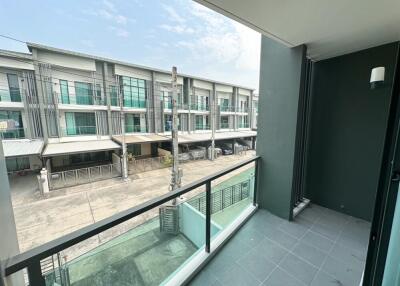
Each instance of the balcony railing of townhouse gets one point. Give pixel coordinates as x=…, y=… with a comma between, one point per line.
x=135, y=103
x=243, y=125
x=31, y=259
x=7, y=96
x=202, y=127
x=81, y=100
x=135, y=128
x=225, y=108
x=12, y=133
x=242, y=109
x=200, y=107
x=78, y=130
x=224, y=125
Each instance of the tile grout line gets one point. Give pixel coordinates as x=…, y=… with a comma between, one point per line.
x=289, y=252
x=328, y=254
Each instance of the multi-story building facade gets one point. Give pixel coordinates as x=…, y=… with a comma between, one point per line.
x=66, y=109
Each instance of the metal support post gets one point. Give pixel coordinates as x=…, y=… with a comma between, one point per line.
x=208, y=215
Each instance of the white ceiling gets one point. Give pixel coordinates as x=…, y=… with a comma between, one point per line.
x=328, y=27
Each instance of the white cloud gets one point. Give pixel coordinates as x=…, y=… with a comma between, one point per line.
x=109, y=12
x=173, y=15
x=119, y=32
x=180, y=29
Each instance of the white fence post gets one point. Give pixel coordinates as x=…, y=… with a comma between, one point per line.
x=44, y=181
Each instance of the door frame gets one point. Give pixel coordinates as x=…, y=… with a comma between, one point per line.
x=388, y=185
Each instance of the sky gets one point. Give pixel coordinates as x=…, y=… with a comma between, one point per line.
x=154, y=33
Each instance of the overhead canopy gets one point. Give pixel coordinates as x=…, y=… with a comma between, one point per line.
x=57, y=149
x=19, y=148
x=328, y=28
x=137, y=139
x=199, y=137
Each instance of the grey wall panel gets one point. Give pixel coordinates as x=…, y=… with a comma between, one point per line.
x=280, y=78
x=348, y=125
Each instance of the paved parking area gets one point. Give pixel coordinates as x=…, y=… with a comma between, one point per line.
x=40, y=220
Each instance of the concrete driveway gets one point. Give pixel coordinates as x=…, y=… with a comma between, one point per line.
x=40, y=220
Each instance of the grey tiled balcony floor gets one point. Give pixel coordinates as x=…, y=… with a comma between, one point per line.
x=320, y=247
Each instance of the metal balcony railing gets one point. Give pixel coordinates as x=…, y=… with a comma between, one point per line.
x=31, y=259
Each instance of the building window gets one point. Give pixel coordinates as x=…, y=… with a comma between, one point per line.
x=166, y=97
x=64, y=91
x=80, y=123
x=224, y=122
x=134, y=92
x=224, y=104
x=202, y=122
x=13, y=85
x=114, y=95
x=84, y=93
x=132, y=123
x=17, y=164
x=11, y=126
x=167, y=122
x=98, y=99
x=135, y=149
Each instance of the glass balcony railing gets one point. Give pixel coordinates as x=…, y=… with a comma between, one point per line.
x=135, y=103
x=243, y=125
x=7, y=96
x=224, y=125
x=79, y=130
x=242, y=109
x=200, y=107
x=202, y=127
x=147, y=244
x=226, y=108
x=12, y=133
x=135, y=128
x=81, y=100
x=114, y=101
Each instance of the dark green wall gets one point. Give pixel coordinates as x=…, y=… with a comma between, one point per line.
x=280, y=76
x=348, y=124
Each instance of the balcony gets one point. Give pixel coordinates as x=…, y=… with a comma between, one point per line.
x=137, y=128
x=224, y=125
x=226, y=108
x=12, y=133
x=80, y=100
x=135, y=103
x=202, y=127
x=200, y=107
x=242, y=109
x=320, y=247
x=7, y=96
x=243, y=125
x=78, y=130
x=168, y=240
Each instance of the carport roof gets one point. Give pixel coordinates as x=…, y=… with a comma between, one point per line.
x=22, y=147
x=199, y=137
x=57, y=149
x=131, y=139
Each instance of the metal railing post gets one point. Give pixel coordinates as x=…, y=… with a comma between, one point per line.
x=35, y=274
x=255, y=183
x=208, y=215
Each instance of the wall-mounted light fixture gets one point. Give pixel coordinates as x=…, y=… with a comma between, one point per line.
x=377, y=77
